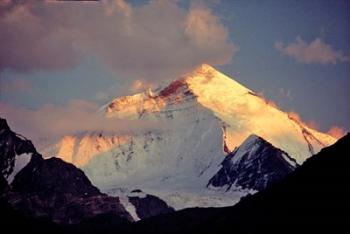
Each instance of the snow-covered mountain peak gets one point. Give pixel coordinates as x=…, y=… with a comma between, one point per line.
x=208, y=115
x=248, y=146
x=208, y=92
x=254, y=142
x=250, y=141
x=213, y=81
x=243, y=112
x=202, y=84
x=255, y=164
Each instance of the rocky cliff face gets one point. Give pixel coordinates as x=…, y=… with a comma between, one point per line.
x=15, y=151
x=61, y=192
x=48, y=188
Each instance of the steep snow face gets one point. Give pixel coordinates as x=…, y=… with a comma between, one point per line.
x=244, y=113
x=80, y=149
x=185, y=155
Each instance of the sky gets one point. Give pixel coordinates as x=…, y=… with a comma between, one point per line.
x=60, y=60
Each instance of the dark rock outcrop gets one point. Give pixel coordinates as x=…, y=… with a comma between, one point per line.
x=50, y=188
x=51, y=177
x=61, y=192
x=12, y=145
x=148, y=205
x=3, y=184
x=255, y=164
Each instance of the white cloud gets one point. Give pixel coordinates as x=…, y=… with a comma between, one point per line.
x=54, y=121
x=316, y=51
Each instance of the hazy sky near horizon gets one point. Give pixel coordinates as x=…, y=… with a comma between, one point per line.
x=295, y=53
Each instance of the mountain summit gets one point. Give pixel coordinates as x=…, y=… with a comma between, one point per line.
x=207, y=115
x=241, y=111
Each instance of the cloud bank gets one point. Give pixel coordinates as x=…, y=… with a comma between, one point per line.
x=336, y=132
x=78, y=116
x=157, y=40
x=316, y=52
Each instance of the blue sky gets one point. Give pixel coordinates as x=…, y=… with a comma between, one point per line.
x=319, y=92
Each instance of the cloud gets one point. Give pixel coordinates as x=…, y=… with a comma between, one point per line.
x=125, y=89
x=336, y=132
x=29, y=43
x=317, y=52
x=140, y=86
x=285, y=93
x=154, y=41
x=310, y=124
x=17, y=85
x=54, y=121
x=313, y=124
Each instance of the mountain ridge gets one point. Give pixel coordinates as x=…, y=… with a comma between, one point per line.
x=255, y=164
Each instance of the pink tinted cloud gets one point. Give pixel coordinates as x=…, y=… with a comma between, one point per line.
x=29, y=43
x=53, y=121
x=155, y=40
x=316, y=51
x=336, y=132
x=295, y=116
